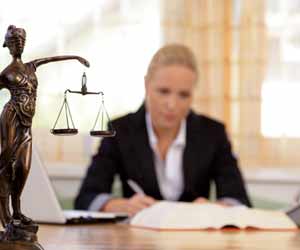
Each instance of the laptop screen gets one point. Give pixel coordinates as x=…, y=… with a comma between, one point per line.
x=38, y=200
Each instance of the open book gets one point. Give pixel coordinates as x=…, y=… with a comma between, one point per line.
x=167, y=215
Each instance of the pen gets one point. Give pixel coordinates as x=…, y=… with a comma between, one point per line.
x=135, y=187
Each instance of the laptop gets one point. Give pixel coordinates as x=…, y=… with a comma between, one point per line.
x=39, y=201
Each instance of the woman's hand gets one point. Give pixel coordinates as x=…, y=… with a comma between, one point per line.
x=201, y=200
x=221, y=202
x=130, y=206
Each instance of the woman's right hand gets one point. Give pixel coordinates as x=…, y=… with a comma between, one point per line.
x=130, y=206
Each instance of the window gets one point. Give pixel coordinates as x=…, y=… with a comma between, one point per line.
x=281, y=87
x=117, y=37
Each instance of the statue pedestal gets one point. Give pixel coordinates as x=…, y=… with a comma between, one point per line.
x=19, y=236
x=20, y=245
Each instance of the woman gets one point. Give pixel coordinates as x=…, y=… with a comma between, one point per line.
x=15, y=122
x=168, y=150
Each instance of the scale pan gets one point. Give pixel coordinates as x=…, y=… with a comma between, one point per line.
x=103, y=133
x=64, y=131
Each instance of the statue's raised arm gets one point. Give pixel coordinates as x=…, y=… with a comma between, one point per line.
x=41, y=61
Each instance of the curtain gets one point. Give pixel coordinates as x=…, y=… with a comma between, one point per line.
x=228, y=38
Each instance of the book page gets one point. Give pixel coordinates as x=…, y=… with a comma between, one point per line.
x=183, y=215
x=167, y=215
x=265, y=219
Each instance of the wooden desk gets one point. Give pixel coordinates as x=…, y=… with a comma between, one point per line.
x=122, y=237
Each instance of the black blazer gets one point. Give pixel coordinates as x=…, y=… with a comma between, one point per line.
x=207, y=157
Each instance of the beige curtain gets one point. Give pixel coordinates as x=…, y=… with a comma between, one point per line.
x=249, y=69
x=229, y=40
x=201, y=25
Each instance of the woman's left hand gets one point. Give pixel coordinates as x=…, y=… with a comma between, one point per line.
x=201, y=200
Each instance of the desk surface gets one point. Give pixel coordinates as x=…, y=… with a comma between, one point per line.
x=122, y=237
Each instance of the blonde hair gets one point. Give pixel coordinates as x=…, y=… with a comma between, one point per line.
x=169, y=55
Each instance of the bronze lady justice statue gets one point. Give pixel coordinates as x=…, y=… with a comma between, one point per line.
x=15, y=125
